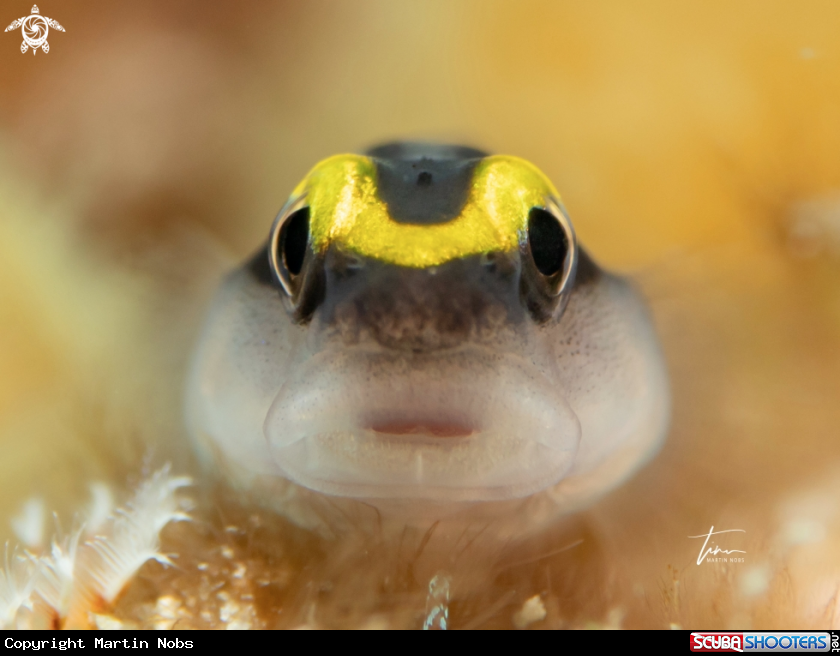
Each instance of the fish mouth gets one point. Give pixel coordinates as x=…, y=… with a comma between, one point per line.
x=429, y=428
x=474, y=425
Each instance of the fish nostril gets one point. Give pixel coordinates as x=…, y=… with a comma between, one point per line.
x=500, y=265
x=345, y=265
x=488, y=262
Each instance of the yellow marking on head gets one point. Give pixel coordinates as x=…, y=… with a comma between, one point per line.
x=345, y=209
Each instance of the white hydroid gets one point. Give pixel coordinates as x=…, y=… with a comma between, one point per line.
x=100, y=508
x=131, y=536
x=55, y=581
x=28, y=525
x=74, y=576
x=17, y=582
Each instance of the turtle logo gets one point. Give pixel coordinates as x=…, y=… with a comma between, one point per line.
x=35, y=29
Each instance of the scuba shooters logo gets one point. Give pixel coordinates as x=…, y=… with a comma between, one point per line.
x=34, y=29
x=793, y=641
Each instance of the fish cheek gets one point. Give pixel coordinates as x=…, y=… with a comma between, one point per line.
x=243, y=357
x=610, y=368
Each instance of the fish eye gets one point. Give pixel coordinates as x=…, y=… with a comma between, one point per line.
x=294, y=236
x=551, y=243
x=548, y=241
x=289, y=241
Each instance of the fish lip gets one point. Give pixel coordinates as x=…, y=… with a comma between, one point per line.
x=431, y=429
x=524, y=436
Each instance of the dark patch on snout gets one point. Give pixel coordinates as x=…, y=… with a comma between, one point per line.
x=420, y=309
x=424, y=184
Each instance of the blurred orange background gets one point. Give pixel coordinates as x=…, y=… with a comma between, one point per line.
x=695, y=144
